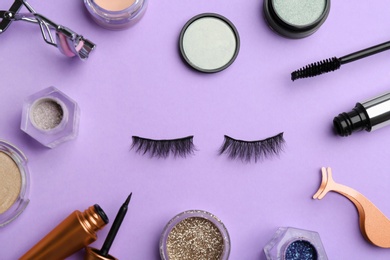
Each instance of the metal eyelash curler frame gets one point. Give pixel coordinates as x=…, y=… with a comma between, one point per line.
x=67, y=41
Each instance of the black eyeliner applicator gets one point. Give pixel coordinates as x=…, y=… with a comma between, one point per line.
x=328, y=65
x=102, y=254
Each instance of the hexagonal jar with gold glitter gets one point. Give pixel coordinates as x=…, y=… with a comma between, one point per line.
x=195, y=234
x=50, y=117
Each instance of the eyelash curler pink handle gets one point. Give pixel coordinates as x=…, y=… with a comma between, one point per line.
x=67, y=41
x=374, y=225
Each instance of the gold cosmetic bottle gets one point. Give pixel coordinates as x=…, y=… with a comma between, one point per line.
x=77, y=231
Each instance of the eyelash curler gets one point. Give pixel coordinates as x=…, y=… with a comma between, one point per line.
x=67, y=41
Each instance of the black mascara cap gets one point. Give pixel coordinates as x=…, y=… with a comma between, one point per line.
x=356, y=120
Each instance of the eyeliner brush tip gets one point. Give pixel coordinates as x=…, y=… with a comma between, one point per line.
x=128, y=199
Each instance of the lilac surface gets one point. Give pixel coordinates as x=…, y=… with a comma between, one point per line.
x=135, y=83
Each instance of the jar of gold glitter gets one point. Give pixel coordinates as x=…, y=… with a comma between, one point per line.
x=195, y=234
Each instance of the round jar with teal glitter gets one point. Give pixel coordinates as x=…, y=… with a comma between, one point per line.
x=296, y=18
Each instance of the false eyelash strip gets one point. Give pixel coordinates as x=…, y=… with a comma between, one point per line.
x=252, y=150
x=163, y=148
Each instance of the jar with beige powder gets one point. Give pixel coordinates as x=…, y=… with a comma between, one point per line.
x=14, y=184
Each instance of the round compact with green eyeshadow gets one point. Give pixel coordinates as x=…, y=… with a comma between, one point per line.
x=296, y=18
x=209, y=42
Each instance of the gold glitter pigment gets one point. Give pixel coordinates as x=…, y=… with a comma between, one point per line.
x=195, y=238
x=10, y=182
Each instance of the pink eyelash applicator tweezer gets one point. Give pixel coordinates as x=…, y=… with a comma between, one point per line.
x=374, y=225
x=67, y=41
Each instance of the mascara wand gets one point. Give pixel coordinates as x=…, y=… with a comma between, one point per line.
x=332, y=64
x=102, y=254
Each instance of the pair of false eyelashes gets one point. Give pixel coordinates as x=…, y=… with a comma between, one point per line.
x=247, y=151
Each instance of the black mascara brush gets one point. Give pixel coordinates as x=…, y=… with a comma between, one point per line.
x=334, y=63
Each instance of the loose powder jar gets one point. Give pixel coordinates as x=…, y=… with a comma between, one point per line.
x=209, y=42
x=195, y=234
x=50, y=117
x=295, y=244
x=296, y=18
x=116, y=14
x=14, y=182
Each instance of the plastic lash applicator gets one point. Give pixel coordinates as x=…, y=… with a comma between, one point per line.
x=374, y=225
x=67, y=41
x=332, y=64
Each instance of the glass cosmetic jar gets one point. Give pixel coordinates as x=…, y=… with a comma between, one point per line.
x=14, y=182
x=195, y=234
x=116, y=14
x=50, y=117
x=295, y=244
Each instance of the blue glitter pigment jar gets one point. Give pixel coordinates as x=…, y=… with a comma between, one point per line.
x=295, y=244
x=300, y=250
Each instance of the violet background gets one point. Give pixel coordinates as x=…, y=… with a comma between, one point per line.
x=135, y=83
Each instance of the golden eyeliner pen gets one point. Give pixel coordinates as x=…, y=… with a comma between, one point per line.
x=75, y=232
